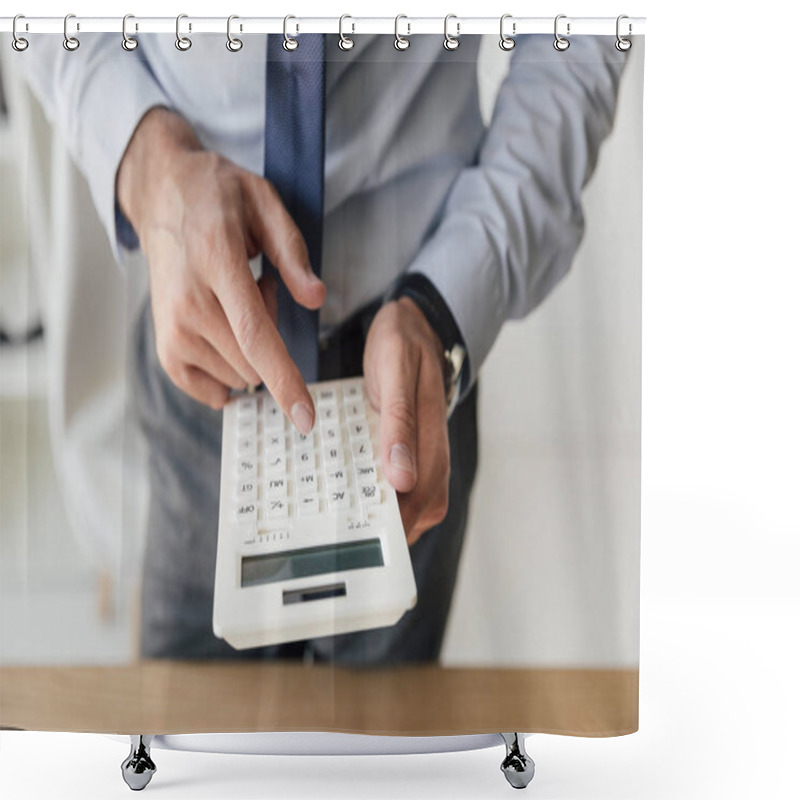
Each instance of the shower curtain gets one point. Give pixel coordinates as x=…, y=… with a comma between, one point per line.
x=461, y=226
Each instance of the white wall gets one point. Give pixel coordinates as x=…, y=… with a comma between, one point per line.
x=550, y=574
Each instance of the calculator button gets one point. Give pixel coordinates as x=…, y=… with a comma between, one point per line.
x=355, y=410
x=306, y=481
x=275, y=463
x=301, y=440
x=334, y=456
x=328, y=414
x=358, y=429
x=276, y=487
x=338, y=498
x=308, y=504
x=274, y=440
x=331, y=434
x=277, y=507
x=326, y=397
x=305, y=459
x=246, y=446
x=246, y=468
x=274, y=419
x=369, y=494
x=362, y=449
x=247, y=408
x=353, y=393
x=366, y=474
x=248, y=427
x=246, y=512
x=246, y=490
x=336, y=478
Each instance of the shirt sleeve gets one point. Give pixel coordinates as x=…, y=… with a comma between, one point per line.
x=95, y=96
x=513, y=222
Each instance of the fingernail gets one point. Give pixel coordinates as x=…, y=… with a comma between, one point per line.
x=400, y=457
x=302, y=417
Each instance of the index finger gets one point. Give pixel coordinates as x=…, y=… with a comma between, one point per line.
x=282, y=241
x=262, y=345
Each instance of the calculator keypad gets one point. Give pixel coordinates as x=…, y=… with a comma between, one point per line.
x=283, y=475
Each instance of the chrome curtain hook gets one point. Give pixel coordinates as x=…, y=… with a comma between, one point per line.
x=400, y=42
x=233, y=44
x=345, y=42
x=128, y=42
x=289, y=42
x=622, y=44
x=183, y=43
x=506, y=42
x=561, y=43
x=451, y=42
x=18, y=42
x=70, y=42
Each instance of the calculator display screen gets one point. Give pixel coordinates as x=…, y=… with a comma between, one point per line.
x=321, y=560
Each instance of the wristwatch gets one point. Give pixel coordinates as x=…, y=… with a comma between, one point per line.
x=454, y=361
x=430, y=302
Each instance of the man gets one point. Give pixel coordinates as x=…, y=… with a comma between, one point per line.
x=435, y=231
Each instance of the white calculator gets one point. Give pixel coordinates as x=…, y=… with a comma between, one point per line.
x=310, y=537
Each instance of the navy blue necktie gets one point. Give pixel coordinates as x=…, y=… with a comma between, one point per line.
x=294, y=161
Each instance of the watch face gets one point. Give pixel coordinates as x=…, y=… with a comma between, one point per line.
x=453, y=368
x=454, y=359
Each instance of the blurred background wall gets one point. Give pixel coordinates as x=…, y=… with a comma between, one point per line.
x=551, y=564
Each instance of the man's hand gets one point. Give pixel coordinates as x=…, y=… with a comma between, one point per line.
x=200, y=219
x=404, y=380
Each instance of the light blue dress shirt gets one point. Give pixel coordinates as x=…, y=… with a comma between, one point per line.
x=414, y=180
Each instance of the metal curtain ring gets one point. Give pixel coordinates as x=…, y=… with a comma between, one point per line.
x=451, y=42
x=289, y=42
x=128, y=42
x=506, y=42
x=233, y=44
x=561, y=43
x=400, y=42
x=345, y=42
x=18, y=42
x=70, y=42
x=622, y=44
x=183, y=43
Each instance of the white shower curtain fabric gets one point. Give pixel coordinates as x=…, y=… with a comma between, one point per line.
x=474, y=200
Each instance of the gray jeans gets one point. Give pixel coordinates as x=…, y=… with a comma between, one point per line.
x=184, y=442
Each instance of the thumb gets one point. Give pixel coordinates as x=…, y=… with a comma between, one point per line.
x=397, y=378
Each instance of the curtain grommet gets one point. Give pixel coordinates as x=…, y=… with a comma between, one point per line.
x=290, y=43
x=128, y=42
x=622, y=44
x=345, y=42
x=233, y=44
x=71, y=43
x=451, y=42
x=561, y=43
x=401, y=42
x=507, y=42
x=19, y=43
x=183, y=43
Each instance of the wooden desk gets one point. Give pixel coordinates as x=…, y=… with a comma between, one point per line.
x=201, y=697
